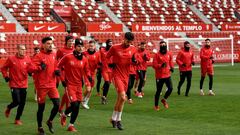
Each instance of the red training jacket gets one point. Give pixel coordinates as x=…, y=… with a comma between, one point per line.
x=142, y=65
x=18, y=73
x=205, y=55
x=122, y=57
x=45, y=78
x=158, y=60
x=185, y=57
x=93, y=60
x=75, y=70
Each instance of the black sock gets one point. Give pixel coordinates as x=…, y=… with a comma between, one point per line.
x=106, y=88
x=75, y=110
x=210, y=82
x=201, y=82
x=40, y=111
x=54, y=110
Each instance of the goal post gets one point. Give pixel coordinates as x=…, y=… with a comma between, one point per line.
x=223, y=48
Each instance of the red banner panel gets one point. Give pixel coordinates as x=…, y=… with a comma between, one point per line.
x=63, y=11
x=46, y=27
x=7, y=27
x=104, y=27
x=171, y=27
x=230, y=27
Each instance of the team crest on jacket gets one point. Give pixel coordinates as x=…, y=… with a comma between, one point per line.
x=72, y=62
x=130, y=52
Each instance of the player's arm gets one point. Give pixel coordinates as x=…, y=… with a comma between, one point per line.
x=99, y=61
x=138, y=58
x=146, y=56
x=87, y=75
x=134, y=59
x=203, y=55
x=109, y=58
x=179, y=59
x=5, y=68
x=36, y=65
x=156, y=63
x=58, y=54
x=192, y=59
x=110, y=53
x=171, y=64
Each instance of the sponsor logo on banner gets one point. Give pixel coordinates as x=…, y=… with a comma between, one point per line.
x=63, y=11
x=7, y=27
x=46, y=27
x=171, y=27
x=52, y=28
x=230, y=27
x=38, y=28
x=105, y=26
x=101, y=27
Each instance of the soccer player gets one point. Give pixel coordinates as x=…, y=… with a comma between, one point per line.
x=15, y=72
x=122, y=55
x=185, y=61
x=68, y=48
x=163, y=65
x=44, y=65
x=206, y=56
x=76, y=69
x=106, y=70
x=144, y=56
x=93, y=58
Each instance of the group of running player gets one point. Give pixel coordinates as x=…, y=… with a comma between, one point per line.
x=120, y=64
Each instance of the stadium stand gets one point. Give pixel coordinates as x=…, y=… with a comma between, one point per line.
x=219, y=12
x=39, y=11
x=151, y=11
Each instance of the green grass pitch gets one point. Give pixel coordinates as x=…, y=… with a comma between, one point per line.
x=194, y=115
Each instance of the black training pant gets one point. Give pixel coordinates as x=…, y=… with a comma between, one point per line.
x=159, y=84
x=18, y=99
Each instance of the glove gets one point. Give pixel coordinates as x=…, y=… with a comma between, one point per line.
x=184, y=65
x=100, y=63
x=112, y=65
x=90, y=79
x=7, y=79
x=211, y=57
x=193, y=63
x=99, y=70
x=43, y=66
x=64, y=83
x=57, y=72
x=134, y=59
x=145, y=57
x=172, y=70
x=29, y=74
x=164, y=65
x=213, y=61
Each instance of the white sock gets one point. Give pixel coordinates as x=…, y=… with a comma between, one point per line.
x=210, y=91
x=119, y=116
x=114, y=115
x=86, y=100
x=70, y=125
x=201, y=90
